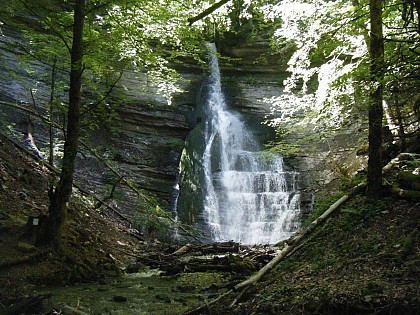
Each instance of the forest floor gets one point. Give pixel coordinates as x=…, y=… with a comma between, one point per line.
x=364, y=260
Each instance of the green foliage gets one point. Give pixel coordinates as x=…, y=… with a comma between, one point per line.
x=175, y=143
x=119, y=35
x=285, y=148
x=328, y=49
x=247, y=79
x=153, y=221
x=82, y=201
x=329, y=69
x=361, y=211
x=321, y=205
x=324, y=261
x=243, y=265
x=27, y=177
x=284, y=265
x=408, y=245
x=350, y=182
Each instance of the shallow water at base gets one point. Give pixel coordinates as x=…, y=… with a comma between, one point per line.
x=146, y=293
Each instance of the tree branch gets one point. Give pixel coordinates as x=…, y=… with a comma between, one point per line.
x=207, y=11
x=103, y=98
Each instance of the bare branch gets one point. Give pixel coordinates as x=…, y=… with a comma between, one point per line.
x=207, y=11
x=107, y=94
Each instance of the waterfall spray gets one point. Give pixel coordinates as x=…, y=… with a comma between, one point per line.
x=247, y=197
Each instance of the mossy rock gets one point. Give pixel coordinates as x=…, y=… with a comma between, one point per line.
x=245, y=265
x=409, y=180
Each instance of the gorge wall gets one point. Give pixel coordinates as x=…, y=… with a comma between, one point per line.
x=145, y=139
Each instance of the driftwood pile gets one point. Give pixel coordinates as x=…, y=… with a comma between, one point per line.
x=221, y=256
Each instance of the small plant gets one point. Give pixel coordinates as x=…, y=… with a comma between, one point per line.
x=322, y=205
x=285, y=265
x=242, y=264
x=26, y=177
x=408, y=245
x=153, y=221
x=352, y=181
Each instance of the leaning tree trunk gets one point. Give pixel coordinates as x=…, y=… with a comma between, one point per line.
x=61, y=194
x=376, y=52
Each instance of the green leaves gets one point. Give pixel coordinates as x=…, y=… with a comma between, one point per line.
x=328, y=49
x=329, y=69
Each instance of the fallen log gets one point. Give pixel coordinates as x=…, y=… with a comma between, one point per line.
x=68, y=310
x=183, y=250
x=207, y=267
x=399, y=158
x=406, y=193
x=194, y=257
x=409, y=180
x=223, y=247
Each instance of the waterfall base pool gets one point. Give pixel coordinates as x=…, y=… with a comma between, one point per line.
x=141, y=293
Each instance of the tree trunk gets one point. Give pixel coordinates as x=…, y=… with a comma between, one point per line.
x=376, y=52
x=50, y=113
x=61, y=194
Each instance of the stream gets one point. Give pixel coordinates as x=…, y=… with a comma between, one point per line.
x=146, y=292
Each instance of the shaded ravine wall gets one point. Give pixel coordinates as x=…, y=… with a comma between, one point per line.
x=146, y=138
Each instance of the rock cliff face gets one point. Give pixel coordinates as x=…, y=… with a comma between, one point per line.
x=145, y=140
x=254, y=74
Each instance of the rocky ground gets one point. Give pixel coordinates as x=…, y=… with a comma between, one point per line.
x=364, y=260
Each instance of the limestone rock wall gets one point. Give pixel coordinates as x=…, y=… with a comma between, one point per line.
x=145, y=140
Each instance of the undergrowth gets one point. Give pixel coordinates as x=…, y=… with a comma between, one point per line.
x=328, y=198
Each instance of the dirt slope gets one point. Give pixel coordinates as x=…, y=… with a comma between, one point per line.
x=365, y=260
x=96, y=245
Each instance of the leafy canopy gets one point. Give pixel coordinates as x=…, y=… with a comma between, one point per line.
x=329, y=75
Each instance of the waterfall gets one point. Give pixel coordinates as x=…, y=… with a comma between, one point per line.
x=248, y=197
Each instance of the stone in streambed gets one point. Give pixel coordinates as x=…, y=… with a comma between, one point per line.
x=163, y=298
x=119, y=298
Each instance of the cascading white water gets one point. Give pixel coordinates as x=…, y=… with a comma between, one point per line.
x=248, y=198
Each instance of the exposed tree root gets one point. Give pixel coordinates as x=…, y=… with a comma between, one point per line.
x=20, y=260
x=26, y=305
